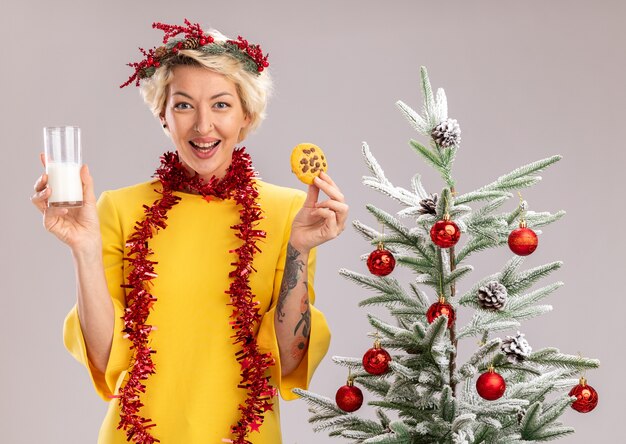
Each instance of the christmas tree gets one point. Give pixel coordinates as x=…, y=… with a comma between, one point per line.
x=504, y=392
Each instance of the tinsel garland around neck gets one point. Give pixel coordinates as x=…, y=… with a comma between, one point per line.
x=238, y=185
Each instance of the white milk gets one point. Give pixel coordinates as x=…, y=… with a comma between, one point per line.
x=64, y=180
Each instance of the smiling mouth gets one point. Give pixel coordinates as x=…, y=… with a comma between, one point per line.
x=204, y=147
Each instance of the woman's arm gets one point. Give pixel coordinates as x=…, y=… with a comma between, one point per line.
x=95, y=307
x=315, y=223
x=79, y=228
x=292, y=318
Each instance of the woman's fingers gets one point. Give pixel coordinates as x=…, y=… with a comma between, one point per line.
x=42, y=193
x=88, y=193
x=327, y=186
x=311, y=196
x=330, y=221
x=324, y=176
x=333, y=210
x=41, y=182
x=339, y=208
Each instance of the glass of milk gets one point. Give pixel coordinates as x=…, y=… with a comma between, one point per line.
x=63, y=161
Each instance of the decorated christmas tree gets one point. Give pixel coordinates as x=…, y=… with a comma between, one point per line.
x=420, y=389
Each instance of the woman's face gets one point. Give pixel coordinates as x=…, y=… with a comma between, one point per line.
x=204, y=116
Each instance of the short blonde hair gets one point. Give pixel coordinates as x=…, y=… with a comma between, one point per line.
x=254, y=89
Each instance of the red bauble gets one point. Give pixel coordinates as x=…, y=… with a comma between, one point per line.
x=490, y=385
x=381, y=262
x=587, y=397
x=441, y=308
x=376, y=360
x=523, y=241
x=445, y=233
x=349, y=397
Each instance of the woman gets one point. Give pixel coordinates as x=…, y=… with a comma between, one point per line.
x=195, y=290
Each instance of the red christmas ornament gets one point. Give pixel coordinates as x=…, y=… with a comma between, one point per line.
x=587, y=397
x=490, y=385
x=441, y=308
x=376, y=360
x=445, y=233
x=349, y=398
x=380, y=261
x=523, y=241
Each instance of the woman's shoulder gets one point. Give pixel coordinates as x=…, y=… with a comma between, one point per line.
x=279, y=194
x=276, y=199
x=131, y=195
x=279, y=204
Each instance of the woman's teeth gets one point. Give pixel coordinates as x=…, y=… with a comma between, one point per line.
x=204, y=146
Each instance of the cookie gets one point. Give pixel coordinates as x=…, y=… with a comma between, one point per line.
x=307, y=161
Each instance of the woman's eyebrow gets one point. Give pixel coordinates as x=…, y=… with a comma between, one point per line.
x=181, y=93
x=221, y=94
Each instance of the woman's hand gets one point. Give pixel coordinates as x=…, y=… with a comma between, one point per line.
x=77, y=227
x=318, y=222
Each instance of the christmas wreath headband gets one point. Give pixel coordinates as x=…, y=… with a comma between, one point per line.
x=250, y=55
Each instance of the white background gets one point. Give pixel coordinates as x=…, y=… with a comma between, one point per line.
x=525, y=79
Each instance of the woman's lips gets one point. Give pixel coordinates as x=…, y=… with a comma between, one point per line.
x=204, y=150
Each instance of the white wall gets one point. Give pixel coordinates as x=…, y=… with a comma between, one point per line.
x=525, y=80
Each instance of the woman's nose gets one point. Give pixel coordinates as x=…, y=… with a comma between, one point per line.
x=204, y=123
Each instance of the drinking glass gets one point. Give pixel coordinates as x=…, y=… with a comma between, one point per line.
x=63, y=161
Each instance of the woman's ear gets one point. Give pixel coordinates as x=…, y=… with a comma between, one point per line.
x=243, y=131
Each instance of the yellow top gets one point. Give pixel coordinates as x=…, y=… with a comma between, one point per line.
x=193, y=397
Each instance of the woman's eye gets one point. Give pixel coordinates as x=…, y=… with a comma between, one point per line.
x=182, y=105
x=221, y=105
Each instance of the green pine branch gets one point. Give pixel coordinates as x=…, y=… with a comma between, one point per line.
x=528, y=278
x=376, y=386
x=318, y=402
x=477, y=196
x=470, y=367
x=521, y=177
x=552, y=357
x=537, y=424
x=384, y=285
x=487, y=321
x=399, y=235
x=381, y=184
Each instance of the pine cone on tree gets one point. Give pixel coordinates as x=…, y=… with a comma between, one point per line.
x=460, y=438
x=516, y=348
x=520, y=415
x=492, y=296
x=447, y=133
x=429, y=205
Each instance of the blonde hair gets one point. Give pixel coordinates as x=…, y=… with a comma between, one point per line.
x=254, y=89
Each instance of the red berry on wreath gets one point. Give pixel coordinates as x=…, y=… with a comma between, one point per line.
x=380, y=261
x=376, y=360
x=441, y=308
x=523, y=241
x=586, y=397
x=445, y=233
x=349, y=397
x=490, y=385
